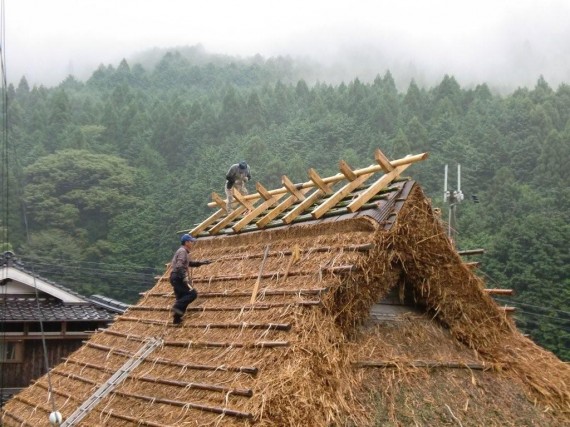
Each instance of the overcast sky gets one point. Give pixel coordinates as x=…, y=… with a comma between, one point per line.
x=506, y=43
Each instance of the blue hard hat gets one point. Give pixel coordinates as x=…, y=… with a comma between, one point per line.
x=243, y=164
x=186, y=238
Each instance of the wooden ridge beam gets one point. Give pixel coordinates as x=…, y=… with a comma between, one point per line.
x=339, y=177
x=162, y=361
x=375, y=188
x=331, y=201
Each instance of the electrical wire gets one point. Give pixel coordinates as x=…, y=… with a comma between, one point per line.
x=6, y=199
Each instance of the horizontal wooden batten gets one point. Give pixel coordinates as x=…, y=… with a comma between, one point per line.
x=200, y=344
x=256, y=306
x=146, y=378
x=184, y=404
x=240, y=325
x=233, y=293
x=418, y=364
x=160, y=360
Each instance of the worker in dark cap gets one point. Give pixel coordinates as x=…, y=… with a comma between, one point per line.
x=236, y=177
x=180, y=278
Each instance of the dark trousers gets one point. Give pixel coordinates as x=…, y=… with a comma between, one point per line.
x=184, y=294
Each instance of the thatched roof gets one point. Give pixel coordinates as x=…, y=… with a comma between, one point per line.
x=306, y=351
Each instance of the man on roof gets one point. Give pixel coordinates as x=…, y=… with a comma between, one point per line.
x=236, y=177
x=181, y=279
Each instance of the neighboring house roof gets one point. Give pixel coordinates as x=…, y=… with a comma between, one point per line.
x=282, y=334
x=54, y=302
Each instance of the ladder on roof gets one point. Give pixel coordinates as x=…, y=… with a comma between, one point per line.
x=112, y=382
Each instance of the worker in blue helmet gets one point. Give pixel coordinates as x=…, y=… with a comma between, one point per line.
x=180, y=277
x=237, y=177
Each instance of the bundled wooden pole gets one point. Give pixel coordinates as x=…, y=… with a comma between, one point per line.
x=256, y=286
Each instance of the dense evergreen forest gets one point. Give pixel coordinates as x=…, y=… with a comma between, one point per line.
x=103, y=173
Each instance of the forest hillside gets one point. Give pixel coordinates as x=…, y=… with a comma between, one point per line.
x=102, y=173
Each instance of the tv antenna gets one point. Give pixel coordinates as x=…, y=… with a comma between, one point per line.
x=453, y=197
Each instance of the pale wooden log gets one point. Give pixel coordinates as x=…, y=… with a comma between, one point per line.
x=346, y=170
x=249, y=217
x=256, y=285
x=209, y=221
x=499, y=291
x=185, y=404
x=263, y=191
x=243, y=201
x=418, y=364
x=471, y=252
x=383, y=161
x=339, y=177
x=162, y=361
x=229, y=218
x=320, y=210
x=219, y=201
x=301, y=207
x=292, y=188
x=375, y=188
x=318, y=181
x=277, y=210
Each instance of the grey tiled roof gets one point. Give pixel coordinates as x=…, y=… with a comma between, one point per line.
x=25, y=309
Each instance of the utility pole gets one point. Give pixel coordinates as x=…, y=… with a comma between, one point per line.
x=453, y=198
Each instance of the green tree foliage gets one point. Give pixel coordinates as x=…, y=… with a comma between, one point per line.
x=115, y=166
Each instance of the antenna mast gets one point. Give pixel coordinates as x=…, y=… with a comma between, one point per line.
x=453, y=197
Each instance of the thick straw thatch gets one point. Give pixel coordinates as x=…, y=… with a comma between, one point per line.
x=306, y=353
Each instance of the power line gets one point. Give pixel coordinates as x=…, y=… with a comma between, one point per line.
x=534, y=306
